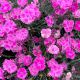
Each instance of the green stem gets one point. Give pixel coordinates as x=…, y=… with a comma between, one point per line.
x=74, y=61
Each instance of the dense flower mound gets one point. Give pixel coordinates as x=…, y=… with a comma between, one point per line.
x=30, y=14
x=39, y=39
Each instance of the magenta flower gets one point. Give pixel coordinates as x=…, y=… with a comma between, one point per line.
x=77, y=25
x=49, y=41
x=74, y=7
x=46, y=33
x=9, y=66
x=68, y=25
x=37, y=51
x=21, y=34
x=15, y=13
x=33, y=70
x=70, y=53
x=76, y=13
x=21, y=73
x=30, y=13
x=38, y=65
x=22, y=3
x=27, y=60
x=56, y=69
x=40, y=62
x=65, y=4
x=49, y=20
x=5, y=6
x=1, y=73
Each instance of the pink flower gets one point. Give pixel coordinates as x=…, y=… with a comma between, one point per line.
x=57, y=34
x=46, y=33
x=56, y=69
x=78, y=1
x=15, y=13
x=30, y=13
x=74, y=7
x=11, y=45
x=21, y=34
x=52, y=62
x=38, y=65
x=27, y=60
x=1, y=73
x=65, y=4
x=40, y=62
x=9, y=66
x=53, y=49
x=68, y=25
x=33, y=70
x=54, y=3
x=49, y=20
x=20, y=57
x=9, y=26
x=49, y=41
x=60, y=11
x=36, y=1
x=2, y=19
x=76, y=13
x=70, y=53
x=22, y=3
x=37, y=51
x=5, y=6
x=68, y=76
x=77, y=25
x=78, y=46
x=21, y=73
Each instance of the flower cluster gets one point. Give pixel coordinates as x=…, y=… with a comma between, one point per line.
x=36, y=41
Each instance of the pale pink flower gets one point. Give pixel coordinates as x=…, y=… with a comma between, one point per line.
x=78, y=1
x=9, y=66
x=57, y=34
x=68, y=25
x=21, y=73
x=22, y=3
x=53, y=49
x=77, y=25
x=46, y=33
x=68, y=76
x=76, y=13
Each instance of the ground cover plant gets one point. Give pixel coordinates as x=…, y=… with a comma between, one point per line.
x=39, y=39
